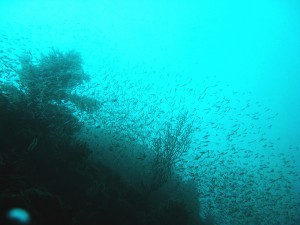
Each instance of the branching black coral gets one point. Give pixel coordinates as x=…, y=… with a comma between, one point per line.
x=51, y=79
x=53, y=76
x=172, y=142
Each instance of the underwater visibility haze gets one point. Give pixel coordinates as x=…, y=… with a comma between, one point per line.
x=158, y=112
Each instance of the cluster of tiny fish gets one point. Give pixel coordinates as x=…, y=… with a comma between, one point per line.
x=241, y=177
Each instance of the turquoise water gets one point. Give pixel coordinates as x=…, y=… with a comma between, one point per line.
x=234, y=65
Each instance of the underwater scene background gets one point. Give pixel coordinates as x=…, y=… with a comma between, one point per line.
x=203, y=93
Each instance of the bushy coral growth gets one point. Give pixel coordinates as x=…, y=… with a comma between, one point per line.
x=53, y=76
x=51, y=79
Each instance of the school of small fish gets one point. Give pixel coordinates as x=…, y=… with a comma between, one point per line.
x=241, y=176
